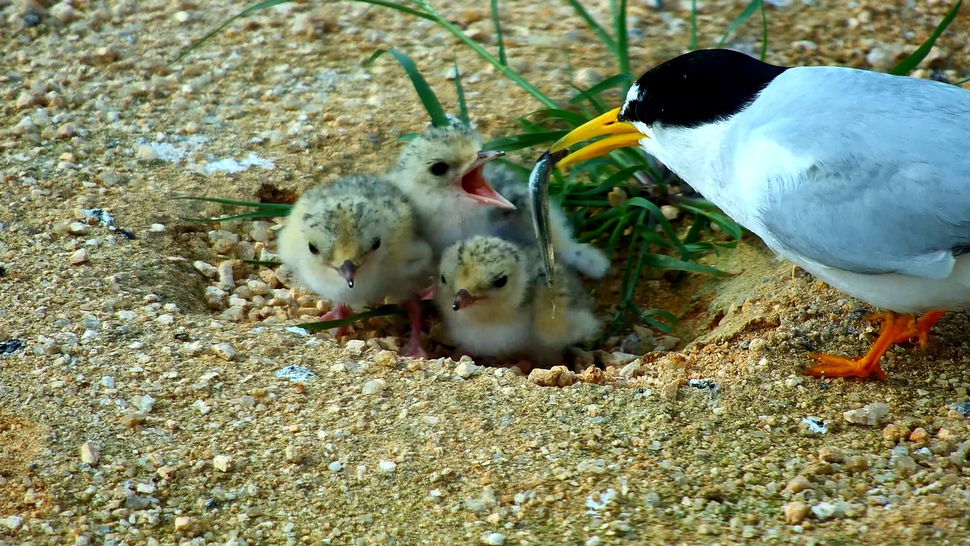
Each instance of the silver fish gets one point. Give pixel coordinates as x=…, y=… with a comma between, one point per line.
x=539, y=195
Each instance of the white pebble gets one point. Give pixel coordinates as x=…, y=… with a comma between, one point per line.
x=224, y=350
x=387, y=466
x=335, y=466
x=226, y=279
x=222, y=463
x=143, y=403
x=356, y=347
x=374, y=386
x=206, y=269
x=157, y=228
x=12, y=522
x=108, y=382
x=127, y=315
x=869, y=415
x=494, y=539
x=79, y=257
x=465, y=370
x=90, y=453
x=165, y=319
x=202, y=407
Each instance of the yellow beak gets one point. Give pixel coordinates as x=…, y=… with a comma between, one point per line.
x=623, y=135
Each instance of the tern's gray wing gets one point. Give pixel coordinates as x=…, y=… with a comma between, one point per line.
x=884, y=182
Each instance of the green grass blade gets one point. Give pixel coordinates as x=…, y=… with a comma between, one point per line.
x=693, y=24
x=519, y=142
x=278, y=207
x=550, y=114
x=728, y=226
x=382, y=311
x=498, y=34
x=431, y=104
x=243, y=13
x=748, y=11
x=460, y=93
x=662, y=261
x=619, y=30
x=481, y=52
x=648, y=317
x=247, y=216
x=764, y=33
x=619, y=80
x=909, y=63
x=267, y=263
x=662, y=221
x=599, y=31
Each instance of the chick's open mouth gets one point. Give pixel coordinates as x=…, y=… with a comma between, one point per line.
x=477, y=188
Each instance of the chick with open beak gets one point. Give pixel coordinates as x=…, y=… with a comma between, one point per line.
x=441, y=172
x=355, y=242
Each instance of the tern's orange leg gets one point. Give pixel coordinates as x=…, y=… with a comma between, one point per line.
x=920, y=329
x=894, y=328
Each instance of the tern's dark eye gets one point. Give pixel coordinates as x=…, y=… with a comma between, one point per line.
x=439, y=168
x=377, y=244
x=500, y=282
x=443, y=281
x=313, y=249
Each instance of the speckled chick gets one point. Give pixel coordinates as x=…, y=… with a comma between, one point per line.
x=516, y=224
x=492, y=296
x=441, y=172
x=355, y=242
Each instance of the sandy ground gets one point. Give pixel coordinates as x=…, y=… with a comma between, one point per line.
x=143, y=406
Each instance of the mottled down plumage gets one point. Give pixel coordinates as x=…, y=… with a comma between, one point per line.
x=494, y=301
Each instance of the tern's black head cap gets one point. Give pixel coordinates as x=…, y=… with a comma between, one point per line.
x=698, y=87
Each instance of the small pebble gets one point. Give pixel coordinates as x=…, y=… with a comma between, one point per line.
x=224, y=351
x=374, y=386
x=795, y=512
x=293, y=454
x=494, y=539
x=466, y=369
x=558, y=376
x=79, y=257
x=387, y=466
x=222, y=463
x=183, y=523
x=869, y=415
x=335, y=466
x=90, y=453
x=356, y=347
x=12, y=522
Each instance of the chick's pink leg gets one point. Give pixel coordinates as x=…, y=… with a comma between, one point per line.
x=339, y=312
x=415, y=348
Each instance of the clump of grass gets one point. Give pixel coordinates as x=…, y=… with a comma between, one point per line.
x=635, y=227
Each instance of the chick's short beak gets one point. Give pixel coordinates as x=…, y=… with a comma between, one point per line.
x=348, y=271
x=622, y=135
x=463, y=299
x=477, y=188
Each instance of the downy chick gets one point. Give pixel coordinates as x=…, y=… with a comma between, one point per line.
x=355, y=242
x=441, y=172
x=492, y=296
x=516, y=225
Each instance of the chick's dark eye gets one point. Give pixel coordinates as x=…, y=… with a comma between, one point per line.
x=377, y=244
x=500, y=282
x=313, y=249
x=443, y=281
x=439, y=168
